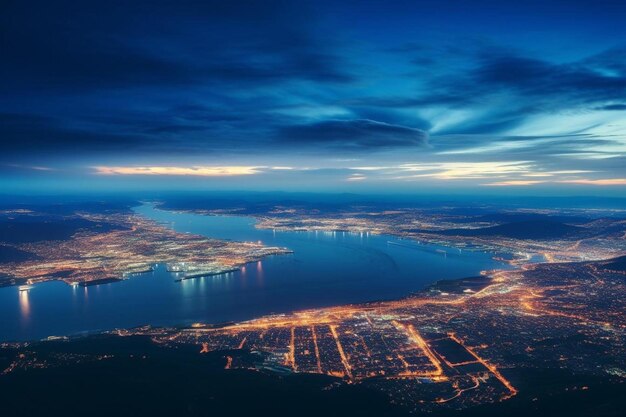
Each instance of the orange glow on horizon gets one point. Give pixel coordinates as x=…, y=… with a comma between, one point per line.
x=200, y=171
x=514, y=183
x=607, y=181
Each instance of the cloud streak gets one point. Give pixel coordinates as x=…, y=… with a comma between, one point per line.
x=196, y=171
x=360, y=134
x=601, y=182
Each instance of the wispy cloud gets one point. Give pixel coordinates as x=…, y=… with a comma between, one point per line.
x=606, y=181
x=30, y=167
x=465, y=170
x=201, y=171
x=356, y=177
x=515, y=183
x=353, y=134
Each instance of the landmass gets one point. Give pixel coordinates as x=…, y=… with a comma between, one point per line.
x=528, y=339
x=88, y=247
x=545, y=337
x=520, y=234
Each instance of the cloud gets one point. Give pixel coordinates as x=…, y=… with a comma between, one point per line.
x=497, y=71
x=556, y=83
x=494, y=89
x=606, y=181
x=515, y=183
x=356, y=177
x=36, y=134
x=199, y=171
x=581, y=181
x=78, y=47
x=9, y=168
x=464, y=170
x=611, y=107
x=611, y=62
x=359, y=134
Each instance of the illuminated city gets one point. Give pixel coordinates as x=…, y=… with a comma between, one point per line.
x=90, y=258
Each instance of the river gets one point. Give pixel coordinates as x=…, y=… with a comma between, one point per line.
x=326, y=268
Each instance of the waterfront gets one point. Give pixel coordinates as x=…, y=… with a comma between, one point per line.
x=330, y=268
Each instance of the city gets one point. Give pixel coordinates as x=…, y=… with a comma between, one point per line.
x=132, y=246
x=454, y=345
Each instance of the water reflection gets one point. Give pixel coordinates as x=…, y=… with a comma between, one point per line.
x=244, y=277
x=259, y=273
x=187, y=287
x=24, y=305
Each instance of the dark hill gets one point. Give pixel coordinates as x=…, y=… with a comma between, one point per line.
x=616, y=264
x=142, y=379
x=528, y=217
x=531, y=229
x=26, y=229
x=11, y=254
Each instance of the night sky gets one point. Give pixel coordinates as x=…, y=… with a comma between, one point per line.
x=420, y=96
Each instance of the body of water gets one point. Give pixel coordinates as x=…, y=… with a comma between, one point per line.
x=325, y=269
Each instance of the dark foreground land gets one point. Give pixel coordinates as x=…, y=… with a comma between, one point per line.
x=108, y=375
x=130, y=376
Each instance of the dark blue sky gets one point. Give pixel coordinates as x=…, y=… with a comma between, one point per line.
x=481, y=96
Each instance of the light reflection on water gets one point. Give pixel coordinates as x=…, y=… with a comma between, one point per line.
x=259, y=273
x=24, y=306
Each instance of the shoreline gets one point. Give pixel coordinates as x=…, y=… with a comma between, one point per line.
x=427, y=292
x=439, y=241
x=439, y=286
